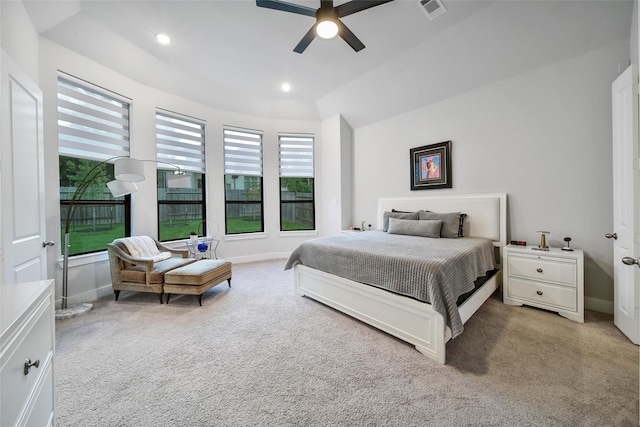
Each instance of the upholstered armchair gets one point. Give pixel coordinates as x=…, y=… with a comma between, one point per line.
x=138, y=264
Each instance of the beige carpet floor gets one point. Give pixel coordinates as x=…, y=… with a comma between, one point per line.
x=256, y=354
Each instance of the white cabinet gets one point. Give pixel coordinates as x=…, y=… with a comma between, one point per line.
x=26, y=354
x=552, y=280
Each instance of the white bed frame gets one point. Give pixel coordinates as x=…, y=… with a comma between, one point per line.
x=410, y=320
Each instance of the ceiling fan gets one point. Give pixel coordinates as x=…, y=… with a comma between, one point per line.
x=328, y=23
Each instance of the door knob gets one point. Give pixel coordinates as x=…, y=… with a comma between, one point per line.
x=613, y=236
x=630, y=261
x=48, y=243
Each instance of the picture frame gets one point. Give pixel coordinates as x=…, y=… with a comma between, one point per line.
x=431, y=166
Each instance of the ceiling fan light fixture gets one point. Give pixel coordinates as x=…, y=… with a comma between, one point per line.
x=327, y=29
x=163, y=39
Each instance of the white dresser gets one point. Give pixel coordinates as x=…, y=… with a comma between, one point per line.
x=552, y=280
x=26, y=355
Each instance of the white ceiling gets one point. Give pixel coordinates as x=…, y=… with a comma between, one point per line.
x=234, y=55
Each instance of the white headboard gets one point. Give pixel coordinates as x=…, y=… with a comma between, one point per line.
x=486, y=213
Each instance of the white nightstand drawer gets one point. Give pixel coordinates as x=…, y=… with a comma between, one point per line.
x=546, y=295
x=34, y=341
x=544, y=269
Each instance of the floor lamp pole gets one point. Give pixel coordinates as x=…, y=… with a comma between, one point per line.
x=66, y=311
x=65, y=271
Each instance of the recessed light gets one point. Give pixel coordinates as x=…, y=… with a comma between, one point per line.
x=286, y=87
x=163, y=39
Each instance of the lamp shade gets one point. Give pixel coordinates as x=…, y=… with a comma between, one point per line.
x=129, y=169
x=121, y=188
x=178, y=181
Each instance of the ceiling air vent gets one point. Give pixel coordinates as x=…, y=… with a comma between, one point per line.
x=433, y=8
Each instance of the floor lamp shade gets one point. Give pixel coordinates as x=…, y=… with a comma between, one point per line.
x=128, y=169
x=121, y=188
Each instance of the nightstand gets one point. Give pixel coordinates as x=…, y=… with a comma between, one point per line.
x=552, y=280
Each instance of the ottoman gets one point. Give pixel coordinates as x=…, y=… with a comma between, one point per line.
x=196, y=278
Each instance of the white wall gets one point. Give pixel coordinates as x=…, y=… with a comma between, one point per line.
x=19, y=38
x=89, y=276
x=543, y=137
x=346, y=173
x=334, y=164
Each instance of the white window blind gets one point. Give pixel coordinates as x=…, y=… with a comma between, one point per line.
x=180, y=142
x=92, y=122
x=296, y=155
x=242, y=152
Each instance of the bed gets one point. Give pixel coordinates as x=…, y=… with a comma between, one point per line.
x=400, y=312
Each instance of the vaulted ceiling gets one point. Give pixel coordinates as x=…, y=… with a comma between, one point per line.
x=234, y=55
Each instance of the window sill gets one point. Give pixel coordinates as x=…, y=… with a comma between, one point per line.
x=245, y=236
x=79, y=260
x=298, y=233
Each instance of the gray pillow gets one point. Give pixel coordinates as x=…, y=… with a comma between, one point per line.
x=427, y=228
x=401, y=215
x=450, y=222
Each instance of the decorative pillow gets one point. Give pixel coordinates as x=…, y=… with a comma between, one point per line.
x=426, y=228
x=450, y=222
x=400, y=215
x=463, y=216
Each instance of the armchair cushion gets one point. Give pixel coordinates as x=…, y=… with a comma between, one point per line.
x=138, y=272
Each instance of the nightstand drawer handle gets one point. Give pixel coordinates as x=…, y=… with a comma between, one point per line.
x=539, y=292
x=539, y=270
x=28, y=364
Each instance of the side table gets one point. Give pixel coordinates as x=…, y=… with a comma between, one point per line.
x=552, y=280
x=203, y=248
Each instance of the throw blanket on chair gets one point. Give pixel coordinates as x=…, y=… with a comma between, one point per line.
x=144, y=247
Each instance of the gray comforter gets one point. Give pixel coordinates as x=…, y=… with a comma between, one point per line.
x=435, y=271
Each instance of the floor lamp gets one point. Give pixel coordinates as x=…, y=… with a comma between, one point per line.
x=127, y=172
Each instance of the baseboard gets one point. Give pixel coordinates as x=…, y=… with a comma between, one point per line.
x=86, y=296
x=599, y=305
x=259, y=257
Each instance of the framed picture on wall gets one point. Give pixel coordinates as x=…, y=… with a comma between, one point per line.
x=431, y=166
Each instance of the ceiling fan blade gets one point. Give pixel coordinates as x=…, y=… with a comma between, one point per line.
x=286, y=7
x=349, y=37
x=357, y=5
x=306, y=40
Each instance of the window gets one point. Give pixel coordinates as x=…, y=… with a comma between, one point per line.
x=243, y=181
x=93, y=128
x=180, y=142
x=297, y=202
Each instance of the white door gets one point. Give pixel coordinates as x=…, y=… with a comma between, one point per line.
x=625, y=202
x=21, y=176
